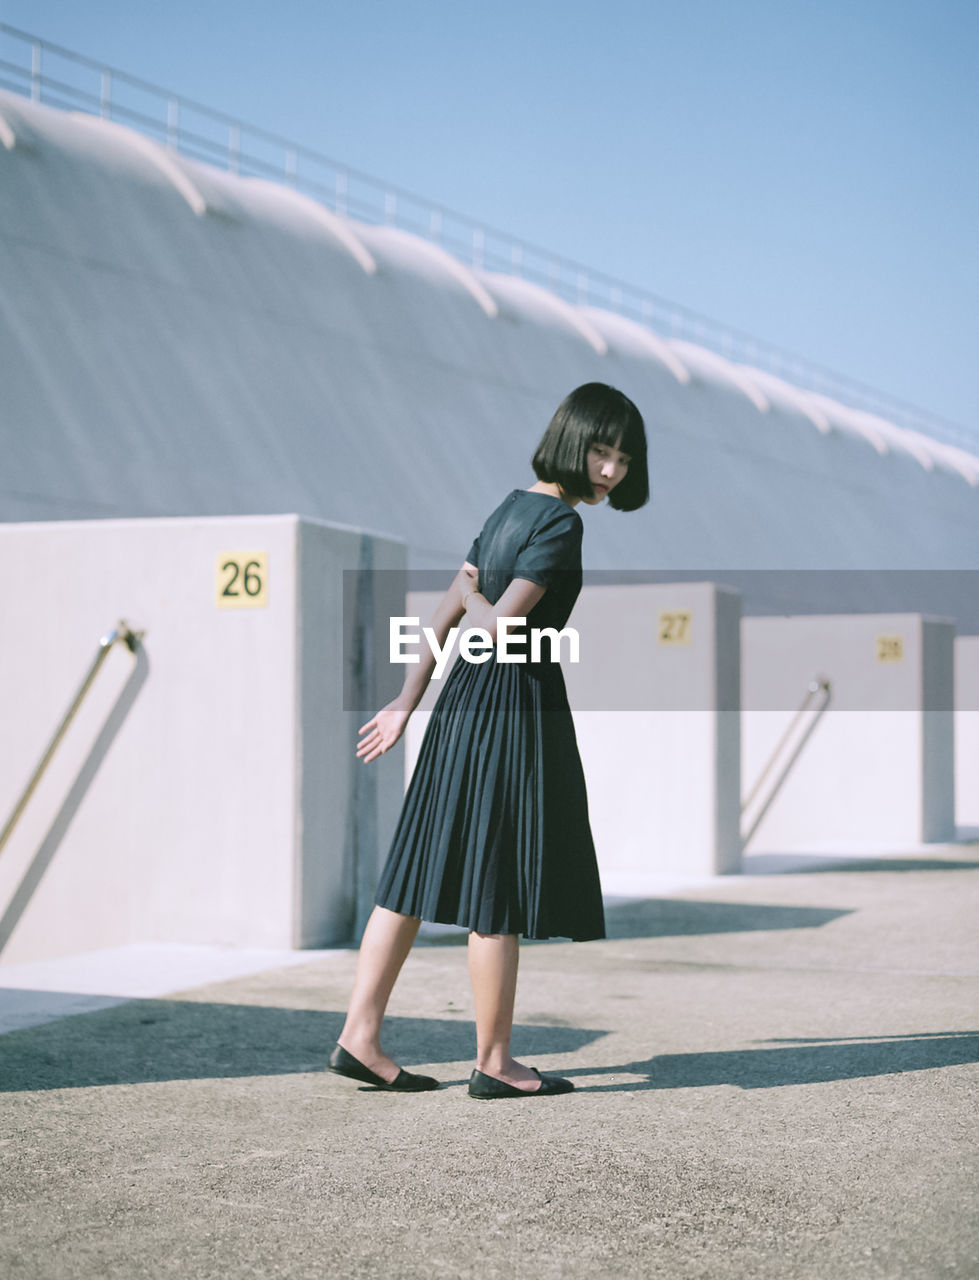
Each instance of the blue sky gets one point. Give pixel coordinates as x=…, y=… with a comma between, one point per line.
x=805, y=171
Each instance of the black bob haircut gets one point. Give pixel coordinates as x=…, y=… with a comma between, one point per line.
x=594, y=414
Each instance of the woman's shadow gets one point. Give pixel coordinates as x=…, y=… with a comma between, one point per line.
x=788, y=1062
x=156, y=1040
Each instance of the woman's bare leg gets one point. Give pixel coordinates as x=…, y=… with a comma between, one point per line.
x=383, y=949
x=493, y=960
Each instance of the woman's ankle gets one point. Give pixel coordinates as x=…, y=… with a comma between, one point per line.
x=360, y=1040
x=494, y=1064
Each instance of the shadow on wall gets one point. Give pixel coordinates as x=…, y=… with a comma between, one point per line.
x=39, y=864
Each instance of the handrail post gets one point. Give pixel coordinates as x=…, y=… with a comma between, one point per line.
x=173, y=123
x=36, y=71
x=818, y=685
x=105, y=95
x=131, y=640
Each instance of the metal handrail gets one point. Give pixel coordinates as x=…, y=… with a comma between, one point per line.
x=819, y=685
x=183, y=124
x=131, y=639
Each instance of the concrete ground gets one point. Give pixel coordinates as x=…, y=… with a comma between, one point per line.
x=775, y=1077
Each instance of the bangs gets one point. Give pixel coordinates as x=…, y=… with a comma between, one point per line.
x=622, y=425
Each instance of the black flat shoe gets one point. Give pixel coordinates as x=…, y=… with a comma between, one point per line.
x=484, y=1086
x=345, y=1064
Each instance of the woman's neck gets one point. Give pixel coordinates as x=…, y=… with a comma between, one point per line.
x=555, y=490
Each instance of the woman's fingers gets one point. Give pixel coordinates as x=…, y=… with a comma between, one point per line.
x=372, y=752
x=380, y=733
x=375, y=744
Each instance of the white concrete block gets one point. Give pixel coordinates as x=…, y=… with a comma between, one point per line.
x=967, y=732
x=205, y=792
x=875, y=763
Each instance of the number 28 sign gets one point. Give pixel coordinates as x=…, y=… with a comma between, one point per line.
x=243, y=580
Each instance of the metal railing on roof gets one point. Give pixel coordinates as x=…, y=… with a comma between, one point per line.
x=48, y=73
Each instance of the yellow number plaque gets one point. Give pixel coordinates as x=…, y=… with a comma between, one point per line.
x=675, y=626
x=890, y=648
x=243, y=580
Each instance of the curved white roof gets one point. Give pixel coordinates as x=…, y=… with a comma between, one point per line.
x=714, y=368
x=178, y=340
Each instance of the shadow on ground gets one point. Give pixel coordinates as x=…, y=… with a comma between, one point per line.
x=814, y=1062
x=158, y=1040
x=786, y=864
x=680, y=917
x=155, y=1040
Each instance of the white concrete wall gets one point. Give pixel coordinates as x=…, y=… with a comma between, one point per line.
x=657, y=729
x=967, y=732
x=207, y=791
x=878, y=765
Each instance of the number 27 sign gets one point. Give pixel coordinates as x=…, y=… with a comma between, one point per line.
x=243, y=580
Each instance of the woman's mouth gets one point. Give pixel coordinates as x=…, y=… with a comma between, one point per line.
x=600, y=489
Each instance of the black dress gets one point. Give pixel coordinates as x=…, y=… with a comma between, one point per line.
x=494, y=832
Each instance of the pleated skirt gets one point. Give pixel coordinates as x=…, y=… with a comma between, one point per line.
x=494, y=832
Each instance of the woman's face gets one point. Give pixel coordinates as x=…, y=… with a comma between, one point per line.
x=607, y=466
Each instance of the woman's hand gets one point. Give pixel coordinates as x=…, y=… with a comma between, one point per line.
x=383, y=731
x=469, y=581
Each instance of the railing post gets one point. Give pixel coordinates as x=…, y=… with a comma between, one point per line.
x=234, y=148
x=341, y=197
x=292, y=166
x=105, y=96
x=435, y=225
x=479, y=244
x=173, y=124
x=36, y=72
x=390, y=208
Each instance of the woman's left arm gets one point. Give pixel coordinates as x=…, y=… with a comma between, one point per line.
x=515, y=602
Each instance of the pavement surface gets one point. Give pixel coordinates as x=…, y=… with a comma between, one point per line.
x=775, y=1077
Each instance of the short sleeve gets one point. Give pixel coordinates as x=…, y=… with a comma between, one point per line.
x=554, y=548
x=472, y=555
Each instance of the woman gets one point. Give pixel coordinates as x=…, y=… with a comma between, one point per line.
x=494, y=832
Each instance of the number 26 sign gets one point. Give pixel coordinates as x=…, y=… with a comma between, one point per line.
x=243, y=580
